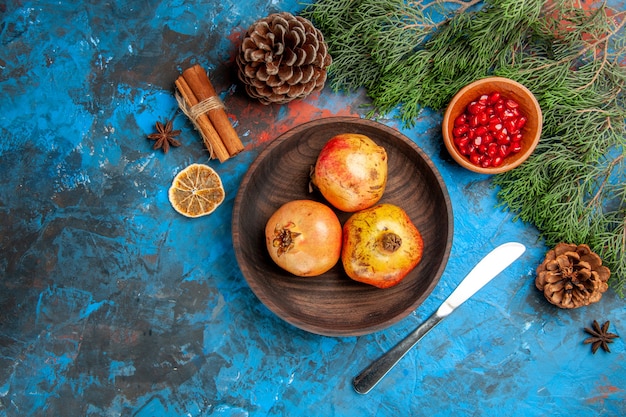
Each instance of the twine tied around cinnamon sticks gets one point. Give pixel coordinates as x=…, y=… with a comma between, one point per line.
x=205, y=106
x=200, y=103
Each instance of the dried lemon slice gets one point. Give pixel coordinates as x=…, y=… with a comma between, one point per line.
x=196, y=191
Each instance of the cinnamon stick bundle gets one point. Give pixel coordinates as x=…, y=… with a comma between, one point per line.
x=203, y=106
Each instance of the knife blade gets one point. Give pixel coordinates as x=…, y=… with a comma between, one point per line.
x=488, y=268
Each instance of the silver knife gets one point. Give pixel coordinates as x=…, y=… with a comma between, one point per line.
x=488, y=268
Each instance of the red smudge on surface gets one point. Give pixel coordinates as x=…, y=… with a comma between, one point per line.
x=258, y=124
x=236, y=34
x=264, y=137
x=299, y=112
x=235, y=37
x=121, y=335
x=597, y=41
x=232, y=117
x=605, y=391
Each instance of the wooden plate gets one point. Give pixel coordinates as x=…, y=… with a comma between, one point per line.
x=332, y=304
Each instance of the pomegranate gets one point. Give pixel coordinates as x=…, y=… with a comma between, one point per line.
x=351, y=172
x=381, y=245
x=304, y=237
x=489, y=130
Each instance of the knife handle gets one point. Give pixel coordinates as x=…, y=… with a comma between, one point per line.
x=370, y=376
x=487, y=269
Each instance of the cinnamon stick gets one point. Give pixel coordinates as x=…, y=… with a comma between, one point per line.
x=202, y=88
x=209, y=134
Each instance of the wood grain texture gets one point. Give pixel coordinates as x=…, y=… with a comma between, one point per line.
x=333, y=304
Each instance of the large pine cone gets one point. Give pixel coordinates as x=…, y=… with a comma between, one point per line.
x=572, y=276
x=282, y=58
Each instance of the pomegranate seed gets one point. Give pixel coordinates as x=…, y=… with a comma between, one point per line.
x=515, y=147
x=499, y=109
x=507, y=114
x=502, y=138
x=475, y=158
x=494, y=97
x=481, y=131
x=460, y=120
x=460, y=130
x=511, y=104
x=483, y=118
x=521, y=122
x=497, y=161
x=495, y=125
x=492, y=149
x=511, y=126
x=462, y=141
x=475, y=107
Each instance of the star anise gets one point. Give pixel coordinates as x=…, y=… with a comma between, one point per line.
x=165, y=136
x=600, y=337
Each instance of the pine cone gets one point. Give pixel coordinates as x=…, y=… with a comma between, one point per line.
x=282, y=58
x=572, y=276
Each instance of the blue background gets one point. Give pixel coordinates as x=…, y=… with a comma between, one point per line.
x=111, y=303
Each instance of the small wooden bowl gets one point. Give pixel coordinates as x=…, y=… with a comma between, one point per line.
x=510, y=89
x=332, y=304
